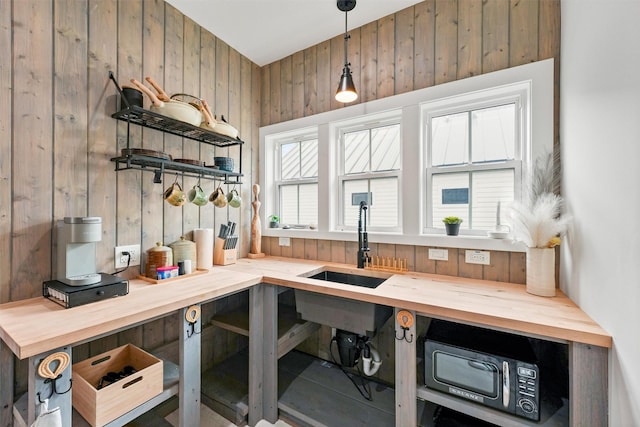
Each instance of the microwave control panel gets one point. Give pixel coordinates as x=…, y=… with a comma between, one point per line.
x=527, y=394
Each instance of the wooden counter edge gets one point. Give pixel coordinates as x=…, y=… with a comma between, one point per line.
x=109, y=325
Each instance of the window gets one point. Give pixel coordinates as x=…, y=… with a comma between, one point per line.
x=474, y=161
x=297, y=187
x=370, y=172
x=457, y=148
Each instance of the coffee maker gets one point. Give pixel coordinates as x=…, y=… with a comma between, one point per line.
x=77, y=238
x=77, y=282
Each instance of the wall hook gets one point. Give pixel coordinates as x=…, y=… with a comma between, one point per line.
x=405, y=320
x=54, y=388
x=404, y=336
x=191, y=315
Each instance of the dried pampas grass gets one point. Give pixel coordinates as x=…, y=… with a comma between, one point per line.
x=537, y=220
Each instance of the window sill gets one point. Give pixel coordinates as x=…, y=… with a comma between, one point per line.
x=432, y=240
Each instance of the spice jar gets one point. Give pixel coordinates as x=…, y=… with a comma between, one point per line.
x=184, y=249
x=158, y=256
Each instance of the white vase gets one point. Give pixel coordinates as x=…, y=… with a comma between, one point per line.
x=541, y=271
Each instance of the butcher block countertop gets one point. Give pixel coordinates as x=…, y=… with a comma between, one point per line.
x=496, y=304
x=33, y=326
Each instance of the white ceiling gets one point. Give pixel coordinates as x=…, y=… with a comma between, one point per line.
x=268, y=30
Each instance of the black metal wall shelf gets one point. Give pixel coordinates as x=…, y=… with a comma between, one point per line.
x=161, y=166
x=150, y=119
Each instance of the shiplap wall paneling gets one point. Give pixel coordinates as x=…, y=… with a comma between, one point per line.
x=129, y=204
x=191, y=149
x=32, y=152
x=101, y=135
x=433, y=42
x=6, y=356
x=208, y=93
x=404, y=50
x=386, y=57
x=424, y=45
x=234, y=117
x=172, y=82
x=323, y=68
x=368, y=88
x=70, y=112
x=71, y=145
x=469, y=38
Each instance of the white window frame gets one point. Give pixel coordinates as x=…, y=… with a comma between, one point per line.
x=539, y=75
x=518, y=94
x=272, y=159
x=279, y=181
x=366, y=123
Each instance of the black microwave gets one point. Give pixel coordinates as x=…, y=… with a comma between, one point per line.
x=491, y=368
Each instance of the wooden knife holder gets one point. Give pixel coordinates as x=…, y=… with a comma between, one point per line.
x=222, y=256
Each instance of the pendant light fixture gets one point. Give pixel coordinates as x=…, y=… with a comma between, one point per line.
x=346, y=89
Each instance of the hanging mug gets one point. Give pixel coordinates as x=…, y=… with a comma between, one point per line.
x=233, y=198
x=197, y=196
x=218, y=198
x=174, y=195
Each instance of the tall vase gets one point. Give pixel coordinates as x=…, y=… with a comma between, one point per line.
x=541, y=271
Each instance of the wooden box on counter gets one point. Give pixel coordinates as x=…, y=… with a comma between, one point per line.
x=222, y=256
x=100, y=406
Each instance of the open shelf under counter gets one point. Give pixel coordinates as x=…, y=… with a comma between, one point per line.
x=170, y=377
x=551, y=415
x=291, y=330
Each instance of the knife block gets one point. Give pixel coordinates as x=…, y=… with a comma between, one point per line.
x=222, y=256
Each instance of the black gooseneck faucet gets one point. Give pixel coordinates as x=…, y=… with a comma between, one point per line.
x=363, y=239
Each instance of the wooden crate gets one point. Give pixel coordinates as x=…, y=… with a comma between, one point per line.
x=100, y=406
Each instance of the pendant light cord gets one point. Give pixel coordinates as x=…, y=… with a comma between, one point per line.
x=346, y=40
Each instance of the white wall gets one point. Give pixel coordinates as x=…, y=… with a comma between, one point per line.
x=600, y=147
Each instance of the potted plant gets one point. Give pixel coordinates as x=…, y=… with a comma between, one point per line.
x=274, y=221
x=452, y=225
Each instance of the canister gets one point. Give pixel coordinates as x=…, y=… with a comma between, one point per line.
x=158, y=256
x=184, y=249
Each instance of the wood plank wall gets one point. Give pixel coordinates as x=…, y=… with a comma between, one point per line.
x=57, y=139
x=432, y=42
x=57, y=136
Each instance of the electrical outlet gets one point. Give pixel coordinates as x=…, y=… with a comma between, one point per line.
x=121, y=259
x=284, y=241
x=477, y=257
x=439, y=254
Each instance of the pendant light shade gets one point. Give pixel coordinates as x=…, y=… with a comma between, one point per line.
x=346, y=89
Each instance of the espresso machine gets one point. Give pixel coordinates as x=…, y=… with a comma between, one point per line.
x=77, y=281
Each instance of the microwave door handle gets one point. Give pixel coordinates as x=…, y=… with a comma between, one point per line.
x=505, y=384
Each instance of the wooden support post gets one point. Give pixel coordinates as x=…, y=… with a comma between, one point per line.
x=406, y=383
x=270, y=353
x=189, y=392
x=38, y=388
x=263, y=353
x=588, y=385
x=6, y=385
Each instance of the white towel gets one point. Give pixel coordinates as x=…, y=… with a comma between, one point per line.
x=48, y=418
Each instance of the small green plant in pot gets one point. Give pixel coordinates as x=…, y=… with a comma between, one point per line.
x=452, y=225
x=274, y=221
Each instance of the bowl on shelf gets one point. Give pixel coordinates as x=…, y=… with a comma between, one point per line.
x=224, y=163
